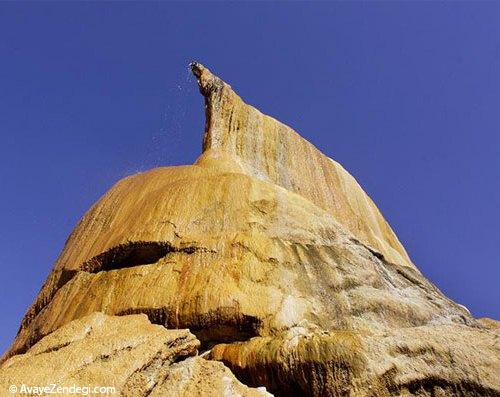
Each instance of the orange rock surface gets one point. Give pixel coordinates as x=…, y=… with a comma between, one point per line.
x=273, y=256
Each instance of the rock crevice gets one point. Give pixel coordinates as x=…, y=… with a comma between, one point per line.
x=279, y=264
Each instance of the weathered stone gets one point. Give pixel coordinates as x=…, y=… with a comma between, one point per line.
x=274, y=257
x=198, y=377
x=490, y=323
x=269, y=150
x=441, y=360
x=127, y=353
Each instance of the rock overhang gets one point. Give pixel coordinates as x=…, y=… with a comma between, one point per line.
x=254, y=246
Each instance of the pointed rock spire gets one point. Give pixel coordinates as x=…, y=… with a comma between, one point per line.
x=273, y=152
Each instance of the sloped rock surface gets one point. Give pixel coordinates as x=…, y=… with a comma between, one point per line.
x=274, y=257
x=261, y=262
x=269, y=150
x=423, y=361
x=128, y=353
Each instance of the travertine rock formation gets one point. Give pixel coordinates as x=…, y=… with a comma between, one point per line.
x=274, y=257
x=128, y=354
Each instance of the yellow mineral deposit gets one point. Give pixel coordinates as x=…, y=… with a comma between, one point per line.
x=262, y=268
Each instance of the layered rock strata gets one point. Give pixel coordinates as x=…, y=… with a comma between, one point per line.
x=272, y=255
x=125, y=356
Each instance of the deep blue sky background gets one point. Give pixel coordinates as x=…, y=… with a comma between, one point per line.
x=405, y=95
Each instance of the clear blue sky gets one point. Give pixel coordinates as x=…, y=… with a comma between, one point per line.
x=405, y=95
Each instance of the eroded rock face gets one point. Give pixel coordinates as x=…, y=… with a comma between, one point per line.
x=271, y=151
x=274, y=257
x=128, y=354
x=441, y=360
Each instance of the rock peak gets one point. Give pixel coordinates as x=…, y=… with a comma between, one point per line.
x=273, y=152
x=207, y=81
x=278, y=262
